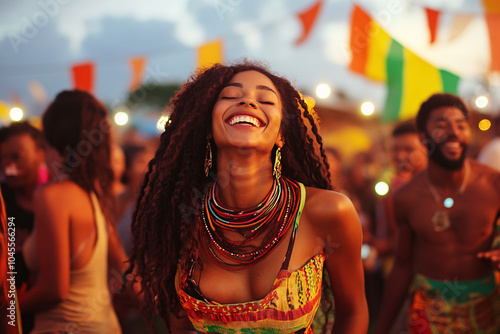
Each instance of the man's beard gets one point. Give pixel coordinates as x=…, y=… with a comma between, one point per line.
x=436, y=154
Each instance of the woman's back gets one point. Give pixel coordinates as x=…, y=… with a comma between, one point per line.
x=87, y=305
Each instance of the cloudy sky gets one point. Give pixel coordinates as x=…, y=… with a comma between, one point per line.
x=41, y=39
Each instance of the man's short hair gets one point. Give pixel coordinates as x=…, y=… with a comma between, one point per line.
x=21, y=128
x=437, y=101
x=404, y=128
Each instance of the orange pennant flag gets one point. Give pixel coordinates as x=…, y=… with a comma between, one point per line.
x=432, y=21
x=137, y=65
x=209, y=54
x=83, y=76
x=493, y=23
x=492, y=8
x=308, y=18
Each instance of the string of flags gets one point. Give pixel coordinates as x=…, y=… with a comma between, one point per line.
x=409, y=78
x=375, y=55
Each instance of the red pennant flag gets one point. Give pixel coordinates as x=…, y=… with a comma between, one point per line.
x=137, y=65
x=83, y=76
x=432, y=21
x=308, y=18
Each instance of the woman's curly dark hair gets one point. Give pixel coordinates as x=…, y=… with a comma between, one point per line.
x=77, y=126
x=168, y=203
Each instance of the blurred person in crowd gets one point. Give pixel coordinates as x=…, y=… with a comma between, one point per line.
x=136, y=158
x=490, y=153
x=335, y=162
x=22, y=160
x=118, y=166
x=408, y=156
x=136, y=163
x=360, y=183
x=448, y=233
x=73, y=243
x=217, y=241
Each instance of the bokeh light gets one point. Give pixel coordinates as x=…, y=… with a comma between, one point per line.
x=481, y=101
x=484, y=124
x=367, y=108
x=323, y=91
x=16, y=114
x=121, y=118
x=381, y=188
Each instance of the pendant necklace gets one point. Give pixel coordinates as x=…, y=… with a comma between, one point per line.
x=441, y=218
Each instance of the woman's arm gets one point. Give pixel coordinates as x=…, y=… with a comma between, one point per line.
x=340, y=230
x=53, y=250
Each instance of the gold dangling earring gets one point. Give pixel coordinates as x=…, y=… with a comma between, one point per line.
x=277, y=164
x=208, y=158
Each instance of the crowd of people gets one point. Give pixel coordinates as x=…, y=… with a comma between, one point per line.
x=238, y=219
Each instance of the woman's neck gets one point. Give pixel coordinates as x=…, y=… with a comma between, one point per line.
x=245, y=180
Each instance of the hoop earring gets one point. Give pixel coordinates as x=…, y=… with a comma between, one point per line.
x=208, y=158
x=277, y=164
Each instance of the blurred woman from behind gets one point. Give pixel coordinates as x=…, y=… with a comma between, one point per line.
x=73, y=239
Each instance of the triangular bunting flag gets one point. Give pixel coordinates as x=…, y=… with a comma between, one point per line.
x=38, y=92
x=209, y=54
x=308, y=18
x=83, y=76
x=493, y=23
x=137, y=66
x=459, y=23
x=432, y=21
x=492, y=8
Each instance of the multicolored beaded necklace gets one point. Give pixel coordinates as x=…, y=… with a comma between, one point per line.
x=271, y=218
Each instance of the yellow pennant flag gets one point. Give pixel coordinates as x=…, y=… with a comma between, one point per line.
x=4, y=110
x=209, y=54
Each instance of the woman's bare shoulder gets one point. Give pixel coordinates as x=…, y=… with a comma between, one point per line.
x=327, y=209
x=61, y=191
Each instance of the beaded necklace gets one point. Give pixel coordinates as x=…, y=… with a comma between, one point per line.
x=271, y=218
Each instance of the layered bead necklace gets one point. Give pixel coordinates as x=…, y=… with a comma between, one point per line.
x=271, y=218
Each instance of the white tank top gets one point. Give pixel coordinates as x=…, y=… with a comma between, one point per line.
x=88, y=308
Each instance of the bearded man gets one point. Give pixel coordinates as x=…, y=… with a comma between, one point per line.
x=448, y=233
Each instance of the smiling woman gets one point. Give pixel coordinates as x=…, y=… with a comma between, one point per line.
x=235, y=223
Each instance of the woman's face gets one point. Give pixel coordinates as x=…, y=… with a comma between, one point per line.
x=248, y=113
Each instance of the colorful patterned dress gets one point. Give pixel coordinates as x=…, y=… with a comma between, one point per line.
x=289, y=307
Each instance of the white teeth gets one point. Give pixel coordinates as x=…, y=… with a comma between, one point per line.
x=452, y=145
x=11, y=171
x=245, y=119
